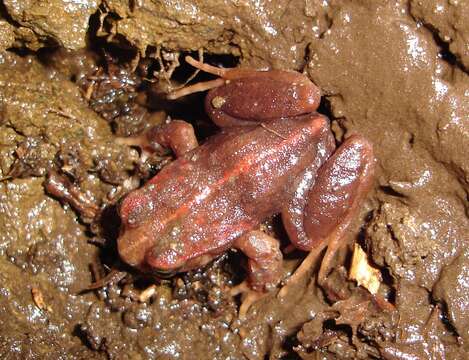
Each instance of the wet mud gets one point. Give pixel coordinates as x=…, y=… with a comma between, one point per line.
x=77, y=77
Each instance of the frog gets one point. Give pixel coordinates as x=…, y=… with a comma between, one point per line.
x=273, y=155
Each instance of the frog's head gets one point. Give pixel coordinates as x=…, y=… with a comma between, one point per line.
x=147, y=241
x=135, y=233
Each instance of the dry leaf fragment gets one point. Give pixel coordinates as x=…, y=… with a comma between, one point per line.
x=362, y=272
x=146, y=294
x=38, y=299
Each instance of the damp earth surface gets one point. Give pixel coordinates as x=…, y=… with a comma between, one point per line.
x=77, y=76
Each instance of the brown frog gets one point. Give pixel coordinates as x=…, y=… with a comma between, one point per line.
x=274, y=155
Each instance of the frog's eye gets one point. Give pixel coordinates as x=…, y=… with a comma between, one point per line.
x=134, y=209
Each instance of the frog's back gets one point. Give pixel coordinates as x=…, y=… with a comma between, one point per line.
x=203, y=201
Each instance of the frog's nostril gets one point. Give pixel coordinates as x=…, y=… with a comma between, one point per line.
x=124, y=208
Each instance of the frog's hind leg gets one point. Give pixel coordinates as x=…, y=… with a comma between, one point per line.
x=264, y=268
x=340, y=188
x=342, y=185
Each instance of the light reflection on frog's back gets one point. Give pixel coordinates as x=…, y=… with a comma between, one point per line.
x=230, y=184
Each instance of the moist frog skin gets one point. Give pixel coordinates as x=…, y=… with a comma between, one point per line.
x=280, y=158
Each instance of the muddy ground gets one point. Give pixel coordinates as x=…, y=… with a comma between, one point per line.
x=75, y=76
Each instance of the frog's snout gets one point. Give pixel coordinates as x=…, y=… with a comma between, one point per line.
x=135, y=208
x=132, y=245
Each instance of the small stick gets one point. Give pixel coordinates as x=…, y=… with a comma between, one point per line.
x=89, y=91
x=113, y=277
x=62, y=113
x=264, y=126
x=5, y=178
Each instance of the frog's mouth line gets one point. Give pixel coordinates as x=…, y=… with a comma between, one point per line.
x=164, y=274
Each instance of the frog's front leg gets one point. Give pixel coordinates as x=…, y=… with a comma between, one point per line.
x=264, y=267
x=264, y=259
x=177, y=135
x=340, y=188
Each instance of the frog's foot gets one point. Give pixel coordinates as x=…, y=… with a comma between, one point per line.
x=306, y=265
x=201, y=86
x=333, y=245
x=248, y=297
x=264, y=268
x=224, y=76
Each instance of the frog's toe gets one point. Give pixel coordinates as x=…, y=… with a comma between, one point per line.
x=248, y=297
x=305, y=267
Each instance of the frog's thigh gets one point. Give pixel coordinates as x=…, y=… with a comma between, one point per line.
x=342, y=184
x=293, y=212
x=264, y=259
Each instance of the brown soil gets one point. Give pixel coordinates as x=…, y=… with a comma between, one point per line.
x=73, y=78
